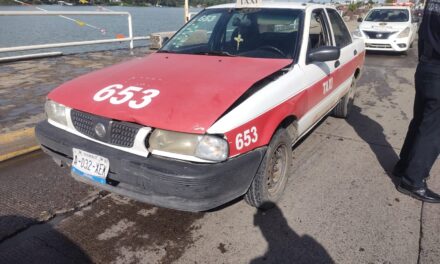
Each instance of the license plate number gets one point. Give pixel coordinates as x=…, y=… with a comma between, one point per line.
x=90, y=165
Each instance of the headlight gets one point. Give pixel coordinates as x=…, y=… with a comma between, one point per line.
x=56, y=112
x=404, y=33
x=206, y=147
x=357, y=33
x=212, y=148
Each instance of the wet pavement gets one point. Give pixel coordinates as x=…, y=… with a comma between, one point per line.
x=25, y=84
x=34, y=192
x=340, y=205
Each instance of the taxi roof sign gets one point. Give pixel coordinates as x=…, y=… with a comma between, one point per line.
x=248, y=3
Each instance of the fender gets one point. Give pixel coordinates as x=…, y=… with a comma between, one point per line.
x=255, y=130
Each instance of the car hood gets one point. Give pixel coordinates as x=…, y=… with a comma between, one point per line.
x=195, y=90
x=384, y=26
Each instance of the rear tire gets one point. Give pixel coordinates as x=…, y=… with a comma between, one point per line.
x=271, y=178
x=343, y=108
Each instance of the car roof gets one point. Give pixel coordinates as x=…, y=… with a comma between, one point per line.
x=286, y=5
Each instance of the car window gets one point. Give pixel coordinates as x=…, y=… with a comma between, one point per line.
x=318, y=30
x=388, y=15
x=260, y=33
x=340, y=31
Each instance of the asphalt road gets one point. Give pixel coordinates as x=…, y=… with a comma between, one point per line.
x=340, y=204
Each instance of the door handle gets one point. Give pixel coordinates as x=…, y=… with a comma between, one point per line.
x=355, y=52
x=337, y=64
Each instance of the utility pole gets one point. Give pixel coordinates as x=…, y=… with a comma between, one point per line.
x=186, y=11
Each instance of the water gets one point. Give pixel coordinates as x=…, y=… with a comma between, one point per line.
x=28, y=30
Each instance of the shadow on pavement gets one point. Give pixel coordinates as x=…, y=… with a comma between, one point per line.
x=285, y=245
x=40, y=243
x=386, y=53
x=373, y=134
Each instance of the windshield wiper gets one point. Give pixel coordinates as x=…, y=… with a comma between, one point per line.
x=215, y=53
x=166, y=51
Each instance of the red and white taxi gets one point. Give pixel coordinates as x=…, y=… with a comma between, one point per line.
x=213, y=115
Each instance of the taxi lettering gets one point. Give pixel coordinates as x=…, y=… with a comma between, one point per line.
x=248, y=2
x=208, y=18
x=327, y=86
x=125, y=95
x=246, y=138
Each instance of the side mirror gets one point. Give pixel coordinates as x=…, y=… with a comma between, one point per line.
x=360, y=19
x=322, y=54
x=416, y=20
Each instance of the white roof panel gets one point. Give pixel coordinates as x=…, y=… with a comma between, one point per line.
x=392, y=7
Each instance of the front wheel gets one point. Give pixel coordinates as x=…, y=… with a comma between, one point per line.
x=271, y=178
x=343, y=108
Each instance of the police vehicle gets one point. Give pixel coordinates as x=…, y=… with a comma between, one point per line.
x=213, y=114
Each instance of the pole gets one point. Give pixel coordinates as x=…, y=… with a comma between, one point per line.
x=186, y=11
x=130, y=31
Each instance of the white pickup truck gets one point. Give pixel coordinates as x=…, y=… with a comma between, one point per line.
x=212, y=115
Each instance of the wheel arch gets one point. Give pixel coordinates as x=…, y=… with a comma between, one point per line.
x=284, y=115
x=290, y=123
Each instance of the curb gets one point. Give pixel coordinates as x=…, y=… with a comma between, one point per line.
x=16, y=143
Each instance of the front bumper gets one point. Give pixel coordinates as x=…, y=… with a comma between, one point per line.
x=156, y=180
x=391, y=44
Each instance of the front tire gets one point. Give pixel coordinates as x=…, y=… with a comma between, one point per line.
x=343, y=108
x=271, y=178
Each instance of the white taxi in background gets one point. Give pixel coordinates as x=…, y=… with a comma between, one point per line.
x=388, y=28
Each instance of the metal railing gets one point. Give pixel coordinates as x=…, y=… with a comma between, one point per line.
x=130, y=37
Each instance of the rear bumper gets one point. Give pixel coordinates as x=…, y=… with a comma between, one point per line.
x=156, y=180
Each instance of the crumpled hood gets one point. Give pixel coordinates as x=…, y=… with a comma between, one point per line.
x=384, y=26
x=195, y=90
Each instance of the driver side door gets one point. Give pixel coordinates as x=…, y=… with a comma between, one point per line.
x=321, y=72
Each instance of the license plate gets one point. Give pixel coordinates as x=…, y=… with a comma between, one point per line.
x=90, y=165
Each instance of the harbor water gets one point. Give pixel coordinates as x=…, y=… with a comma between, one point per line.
x=30, y=30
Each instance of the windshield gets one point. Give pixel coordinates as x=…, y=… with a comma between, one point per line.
x=388, y=15
x=257, y=33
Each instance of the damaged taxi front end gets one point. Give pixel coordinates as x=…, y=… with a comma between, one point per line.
x=141, y=128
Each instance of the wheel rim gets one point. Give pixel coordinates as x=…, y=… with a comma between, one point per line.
x=277, y=169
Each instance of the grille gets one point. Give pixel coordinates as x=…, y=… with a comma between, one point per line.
x=122, y=134
x=83, y=122
x=378, y=46
x=118, y=133
x=378, y=35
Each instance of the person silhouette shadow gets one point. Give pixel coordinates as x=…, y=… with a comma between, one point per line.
x=43, y=244
x=284, y=244
x=373, y=134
